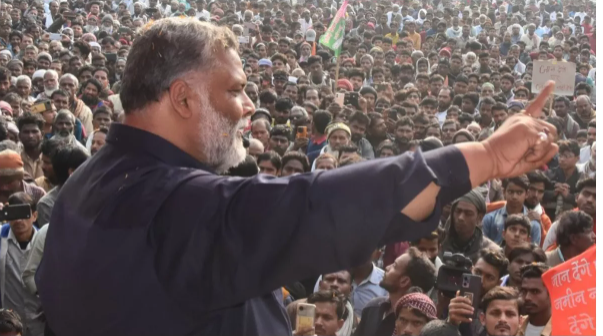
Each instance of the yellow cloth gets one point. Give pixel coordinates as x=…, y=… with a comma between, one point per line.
x=393, y=37
x=416, y=40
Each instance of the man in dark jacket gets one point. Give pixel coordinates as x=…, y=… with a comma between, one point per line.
x=464, y=234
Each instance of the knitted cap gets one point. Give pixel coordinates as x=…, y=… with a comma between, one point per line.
x=337, y=126
x=418, y=301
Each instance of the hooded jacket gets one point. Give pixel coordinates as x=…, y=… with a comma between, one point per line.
x=478, y=242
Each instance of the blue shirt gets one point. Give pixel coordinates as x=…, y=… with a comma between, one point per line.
x=493, y=226
x=364, y=292
x=146, y=240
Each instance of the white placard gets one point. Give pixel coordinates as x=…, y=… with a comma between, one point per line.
x=244, y=39
x=562, y=73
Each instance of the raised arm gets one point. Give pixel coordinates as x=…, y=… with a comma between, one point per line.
x=255, y=235
x=517, y=147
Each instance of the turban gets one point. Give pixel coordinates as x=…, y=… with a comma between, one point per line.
x=89, y=35
x=6, y=106
x=10, y=163
x=418, y=301
x=345, y=84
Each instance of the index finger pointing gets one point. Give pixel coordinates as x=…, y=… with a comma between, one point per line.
x=538, y=103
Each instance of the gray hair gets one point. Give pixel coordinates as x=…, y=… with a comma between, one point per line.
x=262, y=121
x=73, y=78
x=488, y=85
x=32, y=47
x=52, y=72
x=256, y=142
x=24, y=78
x=164, y=52
x=63, y=113
x=301, y=109
x=8, y=144
x=252, y=84
x=584, y=97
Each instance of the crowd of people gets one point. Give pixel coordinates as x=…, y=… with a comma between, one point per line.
x=411, y=75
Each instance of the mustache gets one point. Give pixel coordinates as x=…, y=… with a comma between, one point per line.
x=502, y=325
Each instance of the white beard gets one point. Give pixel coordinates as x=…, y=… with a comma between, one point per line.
x=219, y=140
x=48, y=92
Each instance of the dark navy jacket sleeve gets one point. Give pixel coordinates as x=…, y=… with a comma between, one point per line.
x=254, y=235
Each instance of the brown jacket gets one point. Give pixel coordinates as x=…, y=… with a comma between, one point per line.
x=545, y=332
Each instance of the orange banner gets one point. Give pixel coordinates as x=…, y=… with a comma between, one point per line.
x=572, y=289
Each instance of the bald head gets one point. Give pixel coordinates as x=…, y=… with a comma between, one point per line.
x=584, y=108
x=255, y=147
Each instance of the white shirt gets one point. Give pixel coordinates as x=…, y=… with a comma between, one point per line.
x=390, y=16
x=305, y=25
x=441, y=117
x=531, y=42
x=532, y=330
x=551, y=237
x=203, y=14
x=584, y=154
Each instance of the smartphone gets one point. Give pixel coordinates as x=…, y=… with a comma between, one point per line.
x=305, y=316
x=351, y=98
x=70, y=15
x=55, y=37
x=111, y=57
x=302, y=132
x=14, y=212
x=340, y=98
x=41, y=107
x=472, y=289
x=393, y=114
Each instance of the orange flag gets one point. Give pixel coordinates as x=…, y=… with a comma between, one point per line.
x=572, y=289
x=313, y=48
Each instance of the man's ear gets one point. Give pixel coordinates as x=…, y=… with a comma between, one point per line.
x=34, y=216
x=70, y=171
x=179, y=95
x=482, y=318
x=340, y=323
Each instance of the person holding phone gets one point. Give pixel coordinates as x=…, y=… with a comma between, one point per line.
x=15, y=247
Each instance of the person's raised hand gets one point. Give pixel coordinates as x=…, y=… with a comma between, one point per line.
x=523, y=143
x=300, y=143
x=460, y=310
x=363, y=104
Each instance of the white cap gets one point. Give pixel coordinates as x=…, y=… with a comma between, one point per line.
x=39, y=74
x=310, y=35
